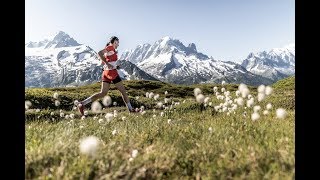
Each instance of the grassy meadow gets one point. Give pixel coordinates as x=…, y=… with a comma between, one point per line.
x=184, y=140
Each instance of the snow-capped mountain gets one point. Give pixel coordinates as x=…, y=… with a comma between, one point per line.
x=171, y=61
x=276, y=64
x=62, y=61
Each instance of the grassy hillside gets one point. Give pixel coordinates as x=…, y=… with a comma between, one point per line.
x=186, y=141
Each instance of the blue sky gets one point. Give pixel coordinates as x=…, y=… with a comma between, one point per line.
x=224, y=29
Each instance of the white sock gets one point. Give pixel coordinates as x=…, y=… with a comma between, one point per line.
x=129, y=106
x=86, y=101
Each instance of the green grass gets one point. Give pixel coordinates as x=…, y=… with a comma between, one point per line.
x=237, y=148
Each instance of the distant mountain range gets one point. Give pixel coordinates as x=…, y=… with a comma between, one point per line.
x=62, y=61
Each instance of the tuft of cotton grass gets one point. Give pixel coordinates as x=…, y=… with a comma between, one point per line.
x=107, y=101
x=147, y=94
x=227, y=93
x=197, y=91
x=240, y=101
x=156, y=97
x=210, y=129
x=52, y=113
x=223, y=83
x=200, y=98
x=76, y=102
x=137, y=97
x=55, y=95
x=123, y=118
x=83, y=117
x=109, y=117
x=57, y=103
x=261, y=97
x=27, y=104
x=269, y=106
x=115, y=113
x=206, y=100
x=162, y=114
x=255, y=116
x=238, y=93
x=269, y=90
x=281, y=113
x=159, y=105
x=250, y=102
x=223, y=89
x=96, y=107
x=142, y=108
x=66, y=117
x=265, y=112
x=151, y=94
x=89, y=146
x=262, y=89
x=85, y=113
x=143, y=112
x=115, y=103
x=100, y=121
x=61, y=114
x=154, y=116
x=169, y=121
x=134, y=153
x=114, y=132
x=215, y=89
x=256, y=108
x=166, y=92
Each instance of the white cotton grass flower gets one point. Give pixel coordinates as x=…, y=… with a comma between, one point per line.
x=256, y=108
x=142, y=108
x=238, y=93
x=109, y=117
x=100, y=121
x=156, y=97
x=227, y=93
x=269, y=106
x=200, y=98
x=210, y=104
x=115, y=113
x=95, y=118
x=134, y=153
x=255, y=116
x=250, y=102
x=197, y=91
x=27, y=104
x=61, y=114
x=261, y=97
x=223, y=83
x=85, y=113
x=240, y=101
x=223, y=89
x=162, y=114
x=123, y=118
x=281, y=113
x=243, y=90
x=76, y=102
x=169, y=121
x=114, y=132
x=250, y=96
x=115, y=103
x=151, y=94
x=55, y=95
x=206, y=100
x=224, y=109
x=66, y=116
x=166, y=92
x=147, y=94
x=215, y=89
x=210, y=129
x=137, y=97
x=57, y=103
x=143, y=112
x=269, y=90
x=52, y=113
x=262, y=89
x=89, y=146
x=159, y=105
x=154, y=116
x=96, y=107
x=71, y=116
x=81, y=126
x=107, y=101
x=83, y=117
x=265, y=112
